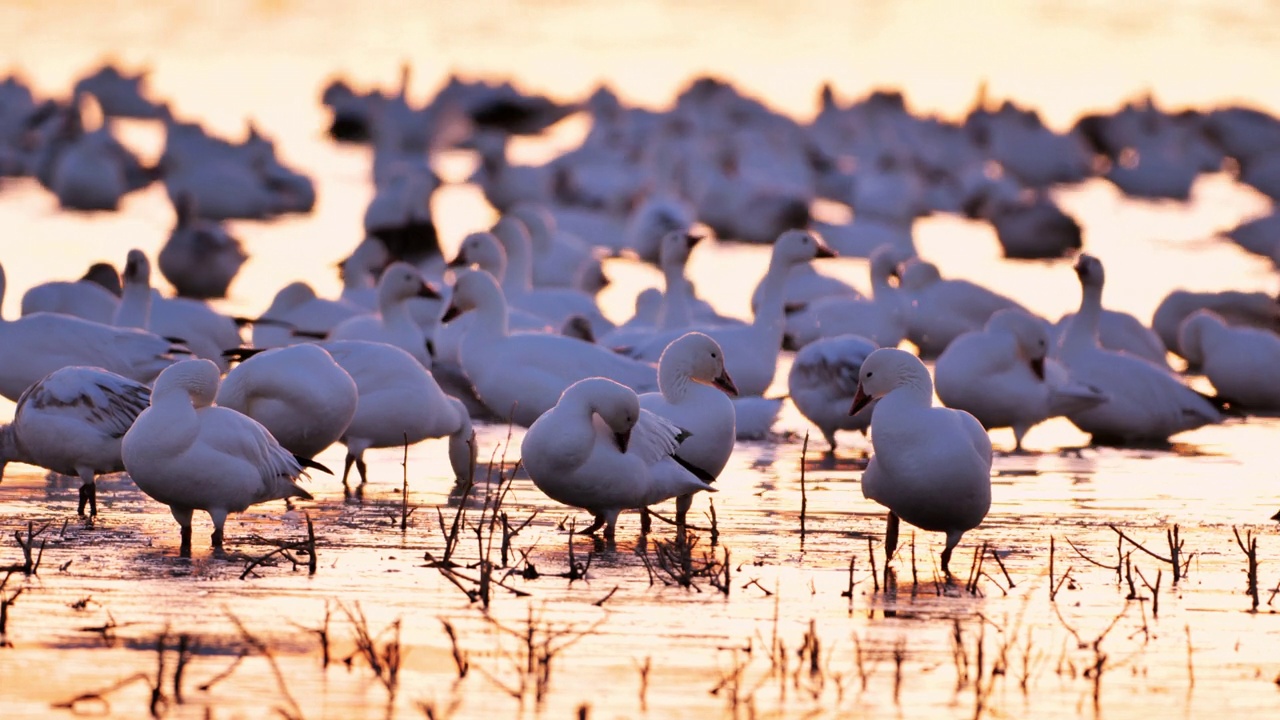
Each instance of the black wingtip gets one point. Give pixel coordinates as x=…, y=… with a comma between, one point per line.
x=241, y=354
x=696, y=471
x=312, y=464
x=314, y=335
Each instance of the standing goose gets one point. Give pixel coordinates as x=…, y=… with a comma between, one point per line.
x=393, y=323
x=190, y=454
x=1145, y=403
x=520, y=376
x=931, y=466
x=35, y=345
x=599, y=451
x=298, y=393
x=823, y=381
x=1001, y=376
x=71, y=422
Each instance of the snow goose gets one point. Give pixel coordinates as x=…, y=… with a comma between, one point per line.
x=1001, y=375
x=71, y=422
x=35, y=345
x=400, y=215
x=880, y=318
x=751, y=351
x=694, y=391
x=652, y=219
x=559, y=259
x=298, y=393
x=1252, y=309
x=596, y=449
x=1145, y=402
x=399, y=402
x=823, y=381
x=520, y=376
x=1122, y=332
x=88, y=174
x=930, y=466
x=1259, y=235
x=554, y=305
x=190, y=454
x=200, y=258
x=297, y=313
x=118, y=94
x=90, y=297
x=939, y=311
x=681, y=307
x=1241, y=362
x=205, y=332
x=393, y=322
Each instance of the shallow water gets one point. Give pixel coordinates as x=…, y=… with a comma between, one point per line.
x=269, y=59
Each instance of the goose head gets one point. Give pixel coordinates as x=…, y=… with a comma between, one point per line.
x=137, y=269
x=197, y=379
x=483, y=249
x=917, y=274
x=1029, y=332
x=701, y=358
x=886, y=370
x=474, y=288
x=401, y=281
x=674, y=249
x=886, y=260
x=1089, y=269
x=794, y=247
x=616, y=404
x=1191, y=334
x=105, y=275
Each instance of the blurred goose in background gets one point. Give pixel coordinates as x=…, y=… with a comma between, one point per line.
x=1121, y=332
x=1259, y=235
x=200, y=258
x=35, y=345
x=823, y=381
x=1241, y=362
x=297, y=314
x=881, y=318
x=94, y=296
x=400, y=216
x=118, y=94
x=202, y=330
x=72, y=422
x=1253, y=309
x=1145, y=402
x=559, y=259
x=190, y=454
x=596, y=449
x=520, y=376
x=930, y=466
x=681, y=307
x=938, y=311
x=298, y=393
x=1002, y=375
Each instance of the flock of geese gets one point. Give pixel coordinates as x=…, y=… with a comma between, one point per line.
x=110, y=375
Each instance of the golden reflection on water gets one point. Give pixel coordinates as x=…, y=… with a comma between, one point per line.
x=223, y=63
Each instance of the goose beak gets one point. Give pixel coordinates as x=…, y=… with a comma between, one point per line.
x=623, y=439
x=693, y=240
x=428, y=291
x=451, y=313
x=459, y=260
x=825, y=252
x=1037, y=367
x=860, y=400
x=725, y=383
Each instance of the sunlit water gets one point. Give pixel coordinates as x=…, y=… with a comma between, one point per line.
x=707, y=653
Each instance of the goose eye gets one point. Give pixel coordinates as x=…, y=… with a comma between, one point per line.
x=869, y=375
x=714, y=355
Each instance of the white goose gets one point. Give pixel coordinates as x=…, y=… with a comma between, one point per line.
x=931, y=466
x=681, y=307
x=881, y=318
x=1145, y=403
x=939, y=311
x=92, y=297
x=298, y=393
x=1122, y=332
x=694, y=391
x=1001, y=375
x=393, y=323
x=751, y=351
x=296, y=312
x=205, y=332
x=399, y=402
x=520, y=376
x=1241, y=362
x=596, y=449
x=191, y=455
x=559, y=259
x=1247, y=309
x=71, y=422
x=200, y=258
x=554, y=304
x=33, y=346
x=823, y=381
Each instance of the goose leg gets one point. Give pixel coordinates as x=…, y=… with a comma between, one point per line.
x=183, y=516
x=219, y=518
x=88, y=491
x=952, y=541
x=362, y=469
x=646, y=522
x=596, y=523
x=683, y=503
x=346, y=468
x=891, y=538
